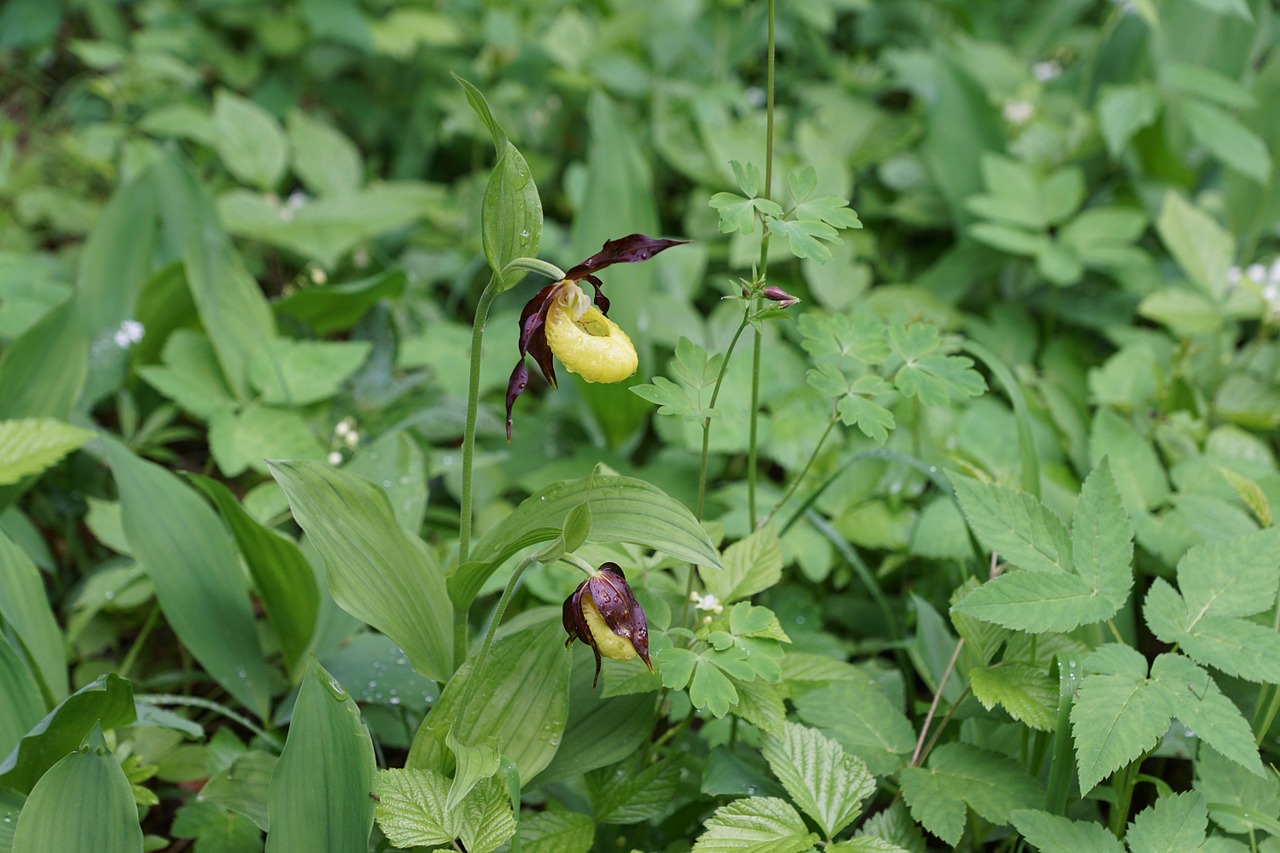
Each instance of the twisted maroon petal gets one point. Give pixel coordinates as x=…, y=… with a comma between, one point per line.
x=515, y=387
x=625, y=250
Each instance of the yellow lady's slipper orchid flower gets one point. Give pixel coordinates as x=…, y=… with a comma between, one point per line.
x=604, y=614
x=561, y=320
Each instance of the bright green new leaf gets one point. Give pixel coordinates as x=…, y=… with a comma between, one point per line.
x=863, y=720
x=1174, y=824
x=706, y=674
x=736, y=213
x=511, y=219
x=319, y=797
x=249, y=140
x=1027, y=693
x=486, y=821
x=755, y=825
x=26, y=612
x=1232, y=577
x=826, y=782
x=959, y=775
x=30, y=445
x=377, y=571
x=1052, y=833
x=804, y=237
x=191, y=561
x=1102, y=538
x=473, y=764
x=623, y=509
x=83, y=803
x=751, y=565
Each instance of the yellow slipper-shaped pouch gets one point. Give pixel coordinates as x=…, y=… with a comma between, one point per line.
x=586, y=341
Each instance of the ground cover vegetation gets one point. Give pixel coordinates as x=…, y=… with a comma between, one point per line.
x=895, y=469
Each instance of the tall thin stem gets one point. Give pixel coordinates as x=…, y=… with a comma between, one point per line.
x=706, y=443
x=473, y=680
x=752, y=450
x=468, y=457
x=795, y=482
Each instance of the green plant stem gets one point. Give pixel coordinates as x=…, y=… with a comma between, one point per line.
x=1124, y=782
x=752, y=448
x=917, y=755
x=795, y=482
x=706, y=445
x=578, y=563
x=209, y=705
x=1262, y=725
x=473, y=679
x=126, y=666
x=460, y=614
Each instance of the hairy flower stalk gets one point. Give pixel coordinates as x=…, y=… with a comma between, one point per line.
x=562, y=321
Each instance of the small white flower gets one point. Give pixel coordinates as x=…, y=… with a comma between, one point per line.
x=755, y=96
x=1050, y=69
x=1018, y=112
x=335, y=458
x=342, y=428
x=1256, y=272
x=1274, y=274
x=129, y=333
x=352, y=438
x=360, y=258
x=318, y=275
x=706, y=602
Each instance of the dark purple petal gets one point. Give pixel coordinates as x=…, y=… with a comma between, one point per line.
x=602, y=301
x=534, y=315
x=515, y=387
x=620, y=609
x=625, y=250
x=541, y=353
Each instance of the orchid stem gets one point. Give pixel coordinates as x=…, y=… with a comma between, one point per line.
x=473, y=679
x=799, y=478
x=579, y=564
x=468, y=458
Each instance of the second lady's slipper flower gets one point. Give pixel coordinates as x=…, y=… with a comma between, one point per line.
x=561, y=320
x=604, y=614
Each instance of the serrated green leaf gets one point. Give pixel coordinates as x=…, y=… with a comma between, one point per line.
x=755, y=825
x=1231, y=577
x=30, y=445
x=486, y=821
x=1118, y=714
x=861, y=337
x=863, y=720
x=319, y=796
x=865, y=844
x=1026, y=692
x=1238, y=801
x=1174, y=824
x=1056, y=834
x=826, y=782
x=621, y=796
x=958, y=775
x=981, y=638
x=751, y=565
x=1235, y=646
x=557, y=832
x=1038, y=602
x=410, y=807
x=1194, y=698
x=895, y=825
x=1015, y=525
x=377, y=571
x=1102, y=538
x=760, y=704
